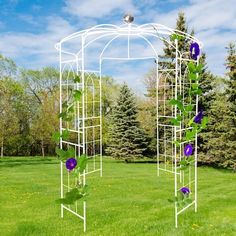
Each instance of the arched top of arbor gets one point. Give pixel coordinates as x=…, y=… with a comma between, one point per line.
x=128, y=32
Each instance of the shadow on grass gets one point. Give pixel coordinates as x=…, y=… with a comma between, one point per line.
x=8, y=162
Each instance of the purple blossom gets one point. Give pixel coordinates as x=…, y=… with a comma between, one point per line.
x=185, y=190
x=188, y=150
x=71, y=163
x=194, y=50
x=198, y=118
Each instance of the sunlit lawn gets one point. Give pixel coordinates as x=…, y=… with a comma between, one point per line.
x=128, y=200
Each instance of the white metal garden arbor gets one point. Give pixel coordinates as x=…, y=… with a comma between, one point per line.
x=83, y=53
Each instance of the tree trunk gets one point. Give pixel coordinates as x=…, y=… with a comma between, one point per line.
x=2, y=148
x=42, y=148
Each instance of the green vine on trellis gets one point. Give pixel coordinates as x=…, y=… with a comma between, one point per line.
x=195, y=125
x=76, y=165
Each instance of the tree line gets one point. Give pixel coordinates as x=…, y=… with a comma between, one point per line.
x=29, y=107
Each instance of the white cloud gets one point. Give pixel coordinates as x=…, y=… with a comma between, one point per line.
x=214, y=23
x=212, y=14
x=97, y=9
x=22, y=47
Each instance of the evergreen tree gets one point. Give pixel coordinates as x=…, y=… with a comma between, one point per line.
x=231, y=96
x=231, y=67
x=127, y=140
x=221, y=152
x=220, y=137
x=183, y=45
x=208, y=84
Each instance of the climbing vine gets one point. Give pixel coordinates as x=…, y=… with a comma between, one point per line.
x=75, y=165
x=195, y=124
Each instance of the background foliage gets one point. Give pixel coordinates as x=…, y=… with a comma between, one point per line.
x=29, y=106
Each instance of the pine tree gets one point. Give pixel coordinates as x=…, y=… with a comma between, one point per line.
x=231, y=67
x=231, y=97
x=183, y=45
x=127, y=140
x=208, y=84
x=220, y=138
x=220, y=150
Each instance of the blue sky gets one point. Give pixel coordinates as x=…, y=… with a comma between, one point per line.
x=29, y=29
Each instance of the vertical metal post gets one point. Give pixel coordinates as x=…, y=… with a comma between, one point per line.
x=181, y=173
x=195, y=154
x=60, y=109
x=175, y=138
x=100, y=101
x=83, y=121
x=157, y=108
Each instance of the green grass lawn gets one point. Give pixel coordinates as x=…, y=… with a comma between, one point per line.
x=128, y=200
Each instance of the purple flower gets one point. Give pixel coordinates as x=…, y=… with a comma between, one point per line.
x=198, y=117
x=71, y=163
x=194, y=50
x=188, y=150
x=185, y=190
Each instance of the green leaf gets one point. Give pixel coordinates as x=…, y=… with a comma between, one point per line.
x=64, y=105
x=179, y=118
x=71, y=196
x=190, y=159
x=174, y=122
x=189, y=108
x=70, y=152
x=204, y=122
x=173, y=102
x=192, y=76
x=183, y=167
x=77, y=95
x=77, y=79
x=60, y=153
x=178, y=103
x=190, y=122
x=189, y=135
x=194, y=86
x=63, y=155
x=199, y=68
x=62, y=115
x=83, y=159
x=56, y=136
x=180, y=106
x=197, y=91
x=191, y=67
x=177, y=143
x=183, y=162
x=65, y=134
x=177, y=36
